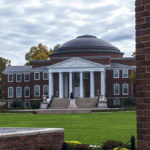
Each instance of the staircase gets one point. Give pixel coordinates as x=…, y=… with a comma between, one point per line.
x=63, y=103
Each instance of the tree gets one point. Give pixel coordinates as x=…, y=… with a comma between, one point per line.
x=39, y=52
x=3, y=63
x=133, y=77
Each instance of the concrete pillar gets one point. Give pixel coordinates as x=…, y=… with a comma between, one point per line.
x=61, y=85
x=50, y=85
x=103, y=83
x=70, y=83
x=92, y=84
x=81, y=84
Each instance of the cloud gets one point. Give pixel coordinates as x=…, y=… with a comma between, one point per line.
x=26, y=23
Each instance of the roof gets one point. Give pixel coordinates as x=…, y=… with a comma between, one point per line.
x=12, y=69
x=87, y=43
x=121, y=66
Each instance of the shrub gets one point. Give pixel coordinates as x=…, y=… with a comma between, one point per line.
x=17, y=104
x=111, y=144
x=35, y=104
x=83, y=147
x=129, y=101
x=70, y=145
x=120, y=149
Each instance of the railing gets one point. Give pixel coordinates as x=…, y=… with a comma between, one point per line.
x=132, y=141
x=98, y=99
x=50, y=102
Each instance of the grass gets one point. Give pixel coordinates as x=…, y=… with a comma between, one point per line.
x=93, y=128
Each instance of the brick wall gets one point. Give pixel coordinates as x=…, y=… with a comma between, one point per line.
x=143, y=73
x=33, y=141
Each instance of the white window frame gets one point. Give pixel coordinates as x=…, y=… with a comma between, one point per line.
x=116, y=102
x=25, y=90
x=20, y=78
x=39, y=75
x=25, y=78
x=19, y=96
x=43, y=90
x=12, y=77
x=123, y=73
x=116, y=70
x=123, y=86
x=43, y=76
x=118, y=89
x=34, y=90
x=10, y=87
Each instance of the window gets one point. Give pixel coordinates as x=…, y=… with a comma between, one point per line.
x=9, y=105
x=18, y=77
x=45, y=90
x=27, y=104
x=116, y=102
x=27, y=92
x=10, y=78
x=124, y=73
x=36, y=76
x=116, y=73
x=27, y=77
x=10, y=92
x=45, y=76
x=18, y=92
x=116, y=89
x=85, y=75
x=36, y=90
x=125, y=89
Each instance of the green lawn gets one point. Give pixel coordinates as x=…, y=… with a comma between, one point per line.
x=93, y=128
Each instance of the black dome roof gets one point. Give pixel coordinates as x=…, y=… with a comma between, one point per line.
x=87, y=43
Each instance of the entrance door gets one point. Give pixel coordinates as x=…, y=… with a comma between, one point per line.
x=76, y=91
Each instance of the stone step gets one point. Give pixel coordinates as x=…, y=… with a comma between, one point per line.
x=63, y=103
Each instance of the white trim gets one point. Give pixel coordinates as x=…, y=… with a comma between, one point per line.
x=20, y=77
x=25, y=78
x=25, y=92
x=47, y=90
x=123, y=73
x=118, y=72
x=43, y=76
x=10, y=87
x=118, y=89
x=17, y=93
x=38, y=89
x=12, y=77
x=123, y=86
x=39, y=75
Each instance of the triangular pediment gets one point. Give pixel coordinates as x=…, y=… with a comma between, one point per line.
x=77, y=63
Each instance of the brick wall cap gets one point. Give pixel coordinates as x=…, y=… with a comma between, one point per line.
x=28, y=131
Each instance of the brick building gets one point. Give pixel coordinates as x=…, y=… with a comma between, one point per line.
x=87, y=66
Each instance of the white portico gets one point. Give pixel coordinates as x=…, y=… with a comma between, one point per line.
x=71, y=75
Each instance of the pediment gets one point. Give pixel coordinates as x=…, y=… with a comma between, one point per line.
x=77, y=63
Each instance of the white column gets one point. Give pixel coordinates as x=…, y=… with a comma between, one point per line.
x=81, y=84
x=50, y=85
x=103, y=83
x=70, y=83
x=91, y=84
x=60, y=85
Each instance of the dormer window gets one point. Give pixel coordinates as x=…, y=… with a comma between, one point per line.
x=10, y=78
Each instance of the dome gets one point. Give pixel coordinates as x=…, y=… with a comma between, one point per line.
x=87, y=43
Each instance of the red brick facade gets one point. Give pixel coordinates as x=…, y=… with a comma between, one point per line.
x=143, y=73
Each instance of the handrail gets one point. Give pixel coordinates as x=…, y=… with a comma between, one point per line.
x=132, y=141
x=98, y=100
x=50, y=102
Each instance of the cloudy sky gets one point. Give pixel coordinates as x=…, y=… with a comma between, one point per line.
x=25, y=23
